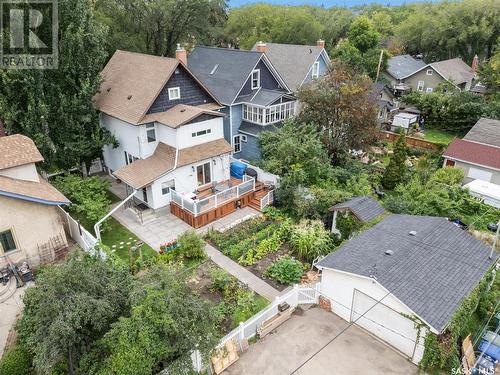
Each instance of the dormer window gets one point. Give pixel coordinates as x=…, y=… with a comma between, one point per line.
x=315, y=70
x=174, y=93
x=255, y=79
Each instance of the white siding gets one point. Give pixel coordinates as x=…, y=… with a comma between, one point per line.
x=385, y=320
x=186, y=139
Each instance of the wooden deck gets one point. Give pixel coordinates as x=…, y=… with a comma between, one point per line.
x=206, y=191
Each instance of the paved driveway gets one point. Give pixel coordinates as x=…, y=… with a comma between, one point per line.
x=353, y=352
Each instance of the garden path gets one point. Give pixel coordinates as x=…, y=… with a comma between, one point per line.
x=253, y=282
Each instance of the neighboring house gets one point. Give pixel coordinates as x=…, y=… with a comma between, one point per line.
x=404, y=277
x=407, y=73
x=364, y=209
x=256, y=97
x=385, y=101
x=30, y=224
x=298, y=65
x=478, y=153
x=168, y=126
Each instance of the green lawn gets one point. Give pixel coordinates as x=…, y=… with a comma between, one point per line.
x=438, y=136
x=122, y=239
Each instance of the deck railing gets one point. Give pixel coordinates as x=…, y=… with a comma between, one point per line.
x=267, y=199
x=197, y=207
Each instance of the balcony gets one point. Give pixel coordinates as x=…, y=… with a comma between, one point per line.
x=268, y=115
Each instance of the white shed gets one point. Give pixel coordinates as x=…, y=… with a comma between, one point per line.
x=489, y=193
x=403, y=278
x=404, y=120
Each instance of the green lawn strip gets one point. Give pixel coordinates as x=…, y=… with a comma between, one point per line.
x=112, y=197
x=116, y=233
x=438, y=136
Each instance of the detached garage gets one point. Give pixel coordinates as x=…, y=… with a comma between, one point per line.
x=403, y=278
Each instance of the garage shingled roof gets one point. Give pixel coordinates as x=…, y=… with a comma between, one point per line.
x=431, y=271
x=364, y=208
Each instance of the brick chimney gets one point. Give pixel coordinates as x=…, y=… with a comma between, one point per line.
x=261, y=47
x=475, y=63
x=181, y=54
x=320, y=43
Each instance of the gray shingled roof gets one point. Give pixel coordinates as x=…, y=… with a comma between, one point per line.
x=262, y=97
x=455, y=70
x=292, y=61
x=364, y=208
x=430, y=272
x=485, y=131
x=403, y=65
x=229, y=67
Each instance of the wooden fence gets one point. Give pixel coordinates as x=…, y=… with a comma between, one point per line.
x=410, y=141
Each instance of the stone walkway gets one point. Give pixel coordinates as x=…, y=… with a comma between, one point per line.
x=253, y=282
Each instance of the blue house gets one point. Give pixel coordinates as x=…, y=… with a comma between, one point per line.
x=255, y=96
x=297, y=64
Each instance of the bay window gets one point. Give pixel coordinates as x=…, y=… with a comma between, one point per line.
x=268, y=115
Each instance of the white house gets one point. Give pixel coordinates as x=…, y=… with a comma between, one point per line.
x=167, y=124
x=404, y=278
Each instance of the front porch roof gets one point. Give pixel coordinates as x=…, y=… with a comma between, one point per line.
x=145, y=171
x=179, y=115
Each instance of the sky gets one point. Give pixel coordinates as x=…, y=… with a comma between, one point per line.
x=326, y=3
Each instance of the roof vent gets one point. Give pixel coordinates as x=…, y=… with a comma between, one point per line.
x=129, y=97
x=109, y=89
x=412, y=233
x=389, y=252
x=183, y=110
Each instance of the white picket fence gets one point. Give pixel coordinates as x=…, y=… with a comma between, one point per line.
x=298, y=295
x=78, y=233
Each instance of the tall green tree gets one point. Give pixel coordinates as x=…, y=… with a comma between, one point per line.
x=71, y=307
x=362, y=34
x=156, y=26
x=343, y=109
x=397, y=171
x=54, y=107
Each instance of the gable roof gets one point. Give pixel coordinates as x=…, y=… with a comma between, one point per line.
x=364, y=208
x=430, y=272
x=293, y=61
x=16, y=150
x=486, y=130
x=223, y=70
x=131, y=83
x=455, y=70
x=474, y=153
x=404, y=65
x=39, y=192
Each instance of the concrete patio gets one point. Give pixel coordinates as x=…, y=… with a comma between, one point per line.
x=295, y=348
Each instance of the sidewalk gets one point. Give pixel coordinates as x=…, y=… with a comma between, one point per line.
x=253, y=282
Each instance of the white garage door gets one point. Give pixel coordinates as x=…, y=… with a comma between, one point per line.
x=479, y=174
x=385, y=323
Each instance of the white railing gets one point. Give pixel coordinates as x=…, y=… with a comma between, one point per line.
x=262, y=175
x=267, y=199
x=78, y=233
x=197, y=207
x=298, y=295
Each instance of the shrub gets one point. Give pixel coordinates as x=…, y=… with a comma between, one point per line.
x=221, y=279
x=448, y=176
x=286, y=270
x=396, y=172
x=16, y=361
x=191, y=245
x=310, y=239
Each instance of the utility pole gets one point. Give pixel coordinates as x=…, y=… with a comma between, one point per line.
x=495, y=240
x=379, y=64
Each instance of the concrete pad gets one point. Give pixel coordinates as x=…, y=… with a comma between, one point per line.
x=299, y=342
x=9, y=311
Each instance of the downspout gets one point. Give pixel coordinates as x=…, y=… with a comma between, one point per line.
x=98, y=224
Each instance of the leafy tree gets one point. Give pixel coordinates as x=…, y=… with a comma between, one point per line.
x=192, y=245
x=157, y=26
x=167, y=321
x=397, y=171
x=54, y=107
x=489, y=75
x=88, y=196
x=362, y=35
x=342, y=108
x=71, y=306
x=16, y=361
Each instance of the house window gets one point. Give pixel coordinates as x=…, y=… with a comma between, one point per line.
x=450, y=163
x=428, y=89
x=203, y=174
x=174, y=93
x=237, y=143
x=243, y=138
x=268, y=115
x=151, y=132
x=420, y=86
x=255, y=79
x=7, y=242
x=167, y=186
x=429, y=72
x=315, y=70
x=201, y=132
x=129, y=159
